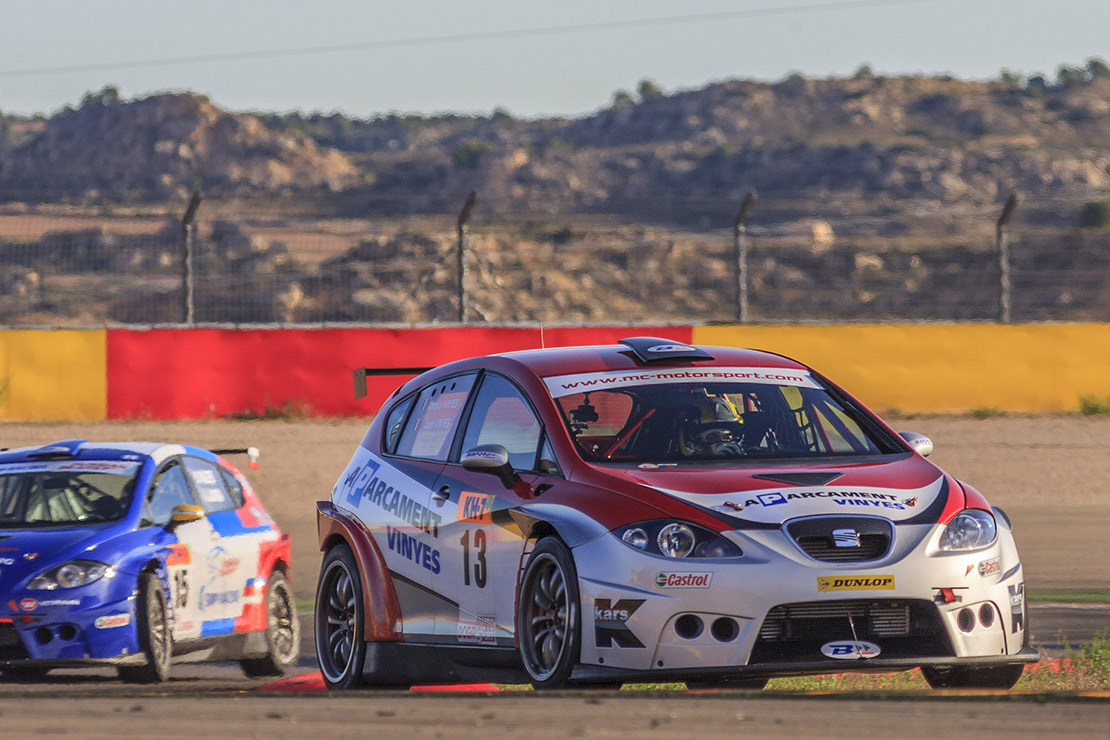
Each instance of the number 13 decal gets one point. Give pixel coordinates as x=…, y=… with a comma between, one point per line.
x=480, y=557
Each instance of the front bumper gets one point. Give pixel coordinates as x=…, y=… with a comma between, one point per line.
x=68, y=630
x=775, y=611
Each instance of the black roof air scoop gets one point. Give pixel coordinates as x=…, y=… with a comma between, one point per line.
x=652, y=349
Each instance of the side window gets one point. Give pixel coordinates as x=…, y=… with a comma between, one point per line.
x=233, y=487
x=435, y=416
x=548, y=464
x=170, y=489
x=502, y=416
x=393, y=422
x=209, y=485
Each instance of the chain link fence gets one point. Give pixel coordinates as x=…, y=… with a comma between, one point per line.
x=281, y=262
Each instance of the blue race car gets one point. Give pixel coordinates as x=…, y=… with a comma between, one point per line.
x=132, y=554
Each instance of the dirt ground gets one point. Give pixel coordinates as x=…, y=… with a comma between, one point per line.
x=1050, y=474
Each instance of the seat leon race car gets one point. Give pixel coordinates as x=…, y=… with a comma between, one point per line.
x=655, y=511
x=132, y=554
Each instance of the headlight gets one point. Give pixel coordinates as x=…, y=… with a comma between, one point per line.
x=71, y=575
x=971, y=529
x=673, y=539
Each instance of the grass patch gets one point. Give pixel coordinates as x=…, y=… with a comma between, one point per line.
x=987, y=412
x=1092, y=405
x=1068, y=596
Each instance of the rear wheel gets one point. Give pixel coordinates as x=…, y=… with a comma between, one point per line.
x=548, y=621
x=152, y=624
x=282, y=631
x=339, y=620
x=971, y=677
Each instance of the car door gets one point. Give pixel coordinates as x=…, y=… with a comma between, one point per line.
x=392, y=494
x=189, y=566
x=483, y=544
x=234, y=556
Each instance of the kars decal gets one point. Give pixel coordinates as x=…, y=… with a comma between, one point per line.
x=855, y=583
x=610, y=623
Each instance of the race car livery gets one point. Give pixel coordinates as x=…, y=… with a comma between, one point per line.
x=129, y=554
x=655, y=511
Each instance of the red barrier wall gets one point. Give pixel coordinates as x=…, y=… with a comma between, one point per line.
x=203, y=373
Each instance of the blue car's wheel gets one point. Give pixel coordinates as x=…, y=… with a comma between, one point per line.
x=153, y=625
x=282, y=631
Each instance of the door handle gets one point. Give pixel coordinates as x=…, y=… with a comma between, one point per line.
x=443, y=494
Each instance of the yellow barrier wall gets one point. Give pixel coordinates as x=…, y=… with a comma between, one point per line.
x=943, y=367
x=53, y=375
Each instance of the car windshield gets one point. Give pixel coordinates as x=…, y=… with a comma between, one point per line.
x=649, y=420
x=68, y=493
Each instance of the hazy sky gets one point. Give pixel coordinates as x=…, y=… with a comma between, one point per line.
x=367, y=57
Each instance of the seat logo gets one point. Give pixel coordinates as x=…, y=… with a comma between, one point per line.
x=845, y=538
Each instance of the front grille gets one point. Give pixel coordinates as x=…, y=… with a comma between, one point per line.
x=817, y=538
x=812, y=621
x=796, y=632
x=11, y=647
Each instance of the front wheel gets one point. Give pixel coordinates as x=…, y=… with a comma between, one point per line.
x=548, y=620
x=339, y=620
x=282, y=631
x=972, y=677
x=155, y=642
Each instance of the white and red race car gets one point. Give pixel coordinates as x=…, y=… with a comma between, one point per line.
x=655, y=511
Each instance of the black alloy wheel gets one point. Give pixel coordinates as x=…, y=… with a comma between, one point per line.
x=339, y=620
x=548, y=616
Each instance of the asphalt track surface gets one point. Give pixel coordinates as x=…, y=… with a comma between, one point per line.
x=1049, y=473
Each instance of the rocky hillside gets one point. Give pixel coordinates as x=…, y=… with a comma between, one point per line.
x=161, y=146
x=929, y=138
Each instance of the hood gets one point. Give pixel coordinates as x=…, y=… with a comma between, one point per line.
x=905, y=490
x=25, y=552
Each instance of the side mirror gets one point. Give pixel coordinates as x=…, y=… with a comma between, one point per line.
x=492, y=459
x=185, y=513
x=922, y=444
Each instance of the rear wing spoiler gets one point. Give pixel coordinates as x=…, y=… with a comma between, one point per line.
x=250, y=452
x=362, y=373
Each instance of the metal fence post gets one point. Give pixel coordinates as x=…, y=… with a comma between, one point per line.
x=188, y=236
x=464, y=216
x=740, y=248
x=1004, y=302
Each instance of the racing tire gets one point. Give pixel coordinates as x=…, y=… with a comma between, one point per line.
x=153, y=625
x=339, y=620
x=283, y=632
x=548, y=616
x=744, y=684
x=27, y=674
x=972, y=677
